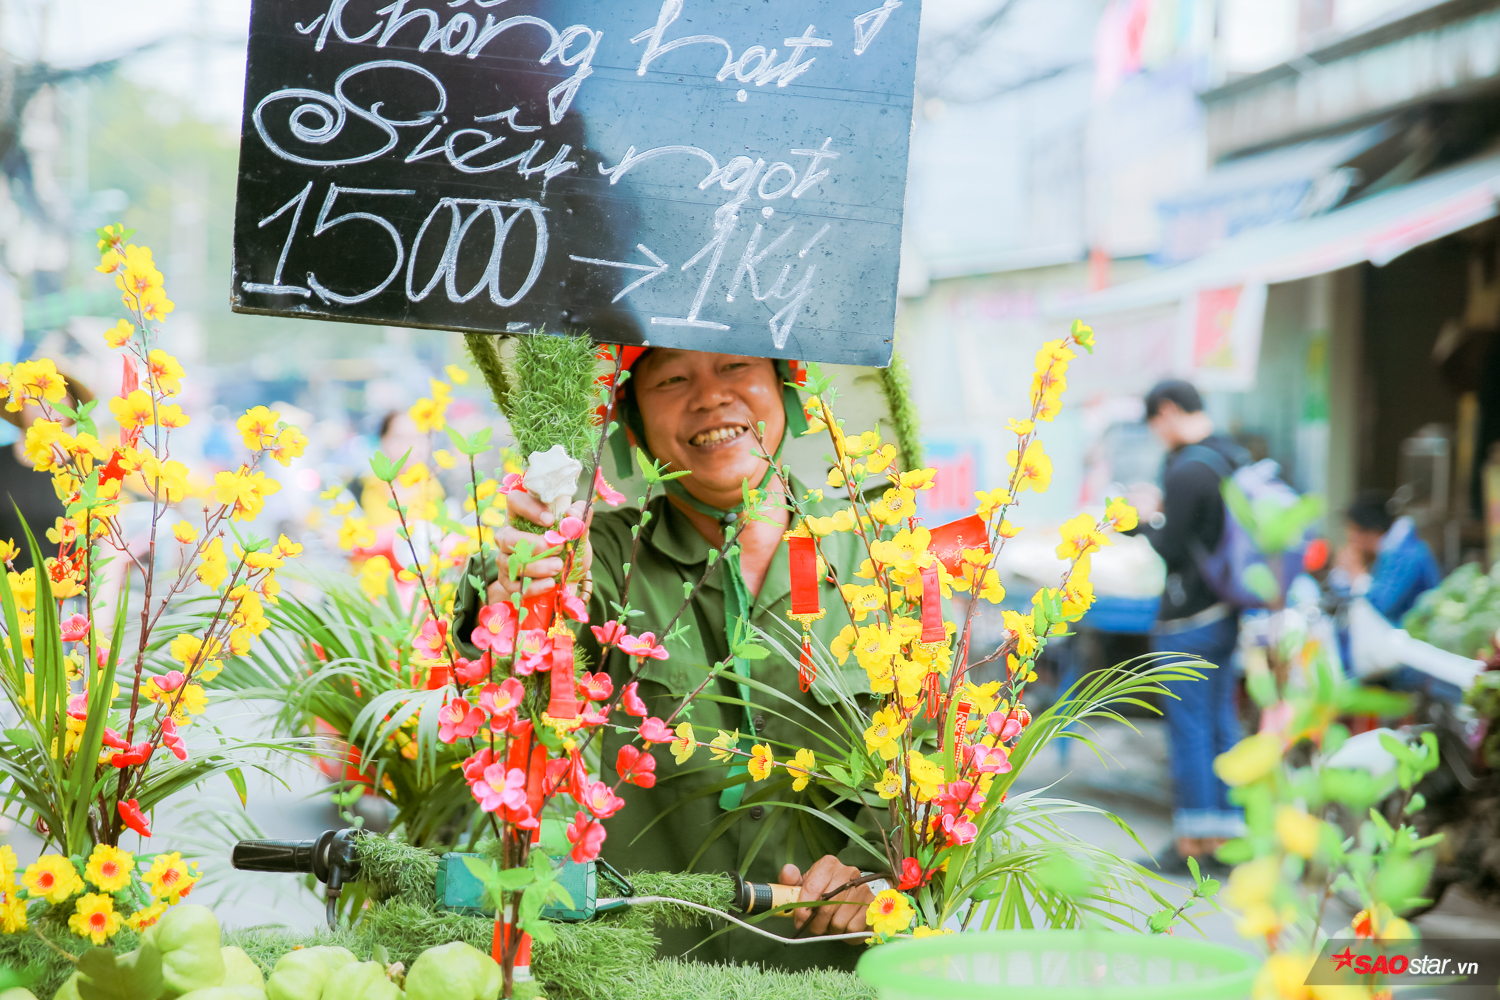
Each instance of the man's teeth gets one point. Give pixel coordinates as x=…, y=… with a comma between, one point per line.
x=718, y=435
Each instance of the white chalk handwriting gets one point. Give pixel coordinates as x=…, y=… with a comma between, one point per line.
x=462, y=214
x=753, y=65
x=320, y=119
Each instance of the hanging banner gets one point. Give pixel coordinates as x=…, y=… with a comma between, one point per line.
x=1220, y=334
x=718, y=175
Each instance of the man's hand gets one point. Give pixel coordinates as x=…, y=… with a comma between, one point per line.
x=540, y=576
x=1351, y=561
x=1145, y=498
x=828, y=872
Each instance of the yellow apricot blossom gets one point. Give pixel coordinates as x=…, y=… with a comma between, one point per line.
x=164, y=372
x=884, y=733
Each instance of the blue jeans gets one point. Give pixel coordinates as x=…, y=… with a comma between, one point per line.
x=1201, y=724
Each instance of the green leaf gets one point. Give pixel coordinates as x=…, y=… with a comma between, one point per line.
x=520, y=558
x=1064, y=876
x=1160, y=921
x=1372, y=701
x=857, y=769
x=1192, y=864
x=558, y=893
x=346, y=798
x=649, y=471
x=1207, y=889
x=750, y=651
x=237, y=779
x=385, y=470
x=1260, y=581
x=838, y=774
x=103, y=976
x=512, y=879
x=1235, y=852
x=1261, y=686
x=1401, y=881
x=478, y=444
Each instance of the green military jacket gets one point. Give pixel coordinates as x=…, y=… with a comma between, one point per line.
x=665, y=828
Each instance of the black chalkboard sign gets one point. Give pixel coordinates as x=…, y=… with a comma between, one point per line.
x=719, y=175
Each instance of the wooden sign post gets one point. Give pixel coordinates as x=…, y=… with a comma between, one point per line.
x=718, y=175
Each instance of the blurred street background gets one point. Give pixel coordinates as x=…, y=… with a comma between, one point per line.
x=1291, y=203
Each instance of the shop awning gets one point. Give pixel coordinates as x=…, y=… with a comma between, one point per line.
x=1218, y=301
x=1377, y=229
x=1282, y=185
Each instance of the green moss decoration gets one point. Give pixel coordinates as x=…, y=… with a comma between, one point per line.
x=895, y=383
x=395, y=868
x=589, y=961
x=551, y=396
x=484, y=352
x=266, y=945
x=612, y=957
x=674, y=979
x=704, y=888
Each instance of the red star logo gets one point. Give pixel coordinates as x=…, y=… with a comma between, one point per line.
x=1342, y=961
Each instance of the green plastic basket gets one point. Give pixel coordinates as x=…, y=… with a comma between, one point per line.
x=1058, y=965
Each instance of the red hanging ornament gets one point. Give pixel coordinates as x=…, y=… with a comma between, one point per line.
x=960, y=740
x=948, y=541
x=934, y=632
x=562, y=706
x=934, y=699
x=129, y=380
x=806, y=607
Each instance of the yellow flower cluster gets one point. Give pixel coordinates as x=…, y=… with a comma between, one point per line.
x=108, y=871
x=136, y=275
x=262, y=429
x=430, y=413
x=96, y=472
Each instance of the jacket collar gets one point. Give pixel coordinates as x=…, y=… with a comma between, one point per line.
x=675, y=538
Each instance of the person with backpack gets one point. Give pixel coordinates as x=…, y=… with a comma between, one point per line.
x=1185, y=525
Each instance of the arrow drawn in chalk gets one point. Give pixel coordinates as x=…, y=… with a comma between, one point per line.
x=868, y=25
x=651, y=272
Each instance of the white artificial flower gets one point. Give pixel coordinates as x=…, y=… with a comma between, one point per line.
x=552, y=477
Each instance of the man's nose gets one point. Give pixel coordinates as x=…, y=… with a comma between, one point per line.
x=712, y=393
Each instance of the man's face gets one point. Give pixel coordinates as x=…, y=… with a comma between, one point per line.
x=1164, y=424
x=402, y=437
x=1366, y=541
x=700, y=411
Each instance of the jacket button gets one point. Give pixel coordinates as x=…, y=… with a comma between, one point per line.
x=759, y=722
x=757, y=812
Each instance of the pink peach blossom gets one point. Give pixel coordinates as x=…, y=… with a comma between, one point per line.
x=631, y=700
x=587, y=836
x=606, y=492
x=610, y=633
x=653, y=730
x=75, y=627
x=600, y=800
x=171, y=740
x=643, y=646
x=596, y=687
x=636, y=766
x=458, y=720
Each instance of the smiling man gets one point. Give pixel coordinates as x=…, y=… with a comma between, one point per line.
x=696, y=413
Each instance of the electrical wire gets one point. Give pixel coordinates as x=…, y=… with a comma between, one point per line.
x=640, y=900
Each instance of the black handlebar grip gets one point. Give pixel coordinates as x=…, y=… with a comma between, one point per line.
x=333, y=858
x=274, y=855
